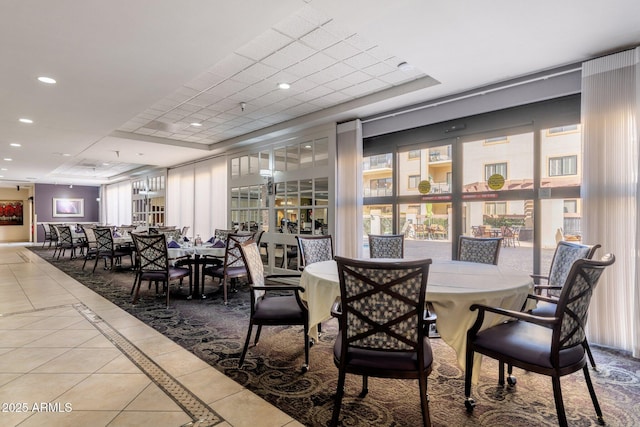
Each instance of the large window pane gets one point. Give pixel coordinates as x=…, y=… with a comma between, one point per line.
x=377, y=174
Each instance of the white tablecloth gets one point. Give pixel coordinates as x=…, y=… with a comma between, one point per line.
x=453, y=286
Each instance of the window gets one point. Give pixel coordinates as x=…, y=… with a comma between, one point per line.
x=561, y=166
x=570, y=206
x=414, y=180
x=562, y=130
x=382, y=161
x=381, y=187
x=496, y=140
x=495, y=208
x=413, y=155
x=495, y=168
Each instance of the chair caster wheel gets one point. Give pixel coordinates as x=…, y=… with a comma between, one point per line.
x=311, y=342
x=511, y=380
x=304, y=369
x=469, y=404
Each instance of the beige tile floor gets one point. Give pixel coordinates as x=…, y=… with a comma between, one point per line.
x=70, y=357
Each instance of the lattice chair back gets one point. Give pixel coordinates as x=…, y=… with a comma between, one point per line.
x=565, y=255
x=221, y=234
x=90, y=235
x=233, y=254
x=104, y=239
x=386, y=246
x=382, y=304
x=152, y=252
x=55, y=235
x=255, y=267
x=315, y=249
x=64, y=235
x=480, y=250
x=173, y=234
x=573, y=304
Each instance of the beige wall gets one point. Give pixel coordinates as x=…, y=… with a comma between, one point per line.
x=17, y=233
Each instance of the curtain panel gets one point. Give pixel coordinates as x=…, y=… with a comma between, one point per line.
x=610, y=112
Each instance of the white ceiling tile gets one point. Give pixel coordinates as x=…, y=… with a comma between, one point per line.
x=263, y=45
x=361, y=60
x=337, y=30
x=319, y=61
x=357, y=77
x=227, y=88
x=321, y=77
x=294, y=26
x=245, y=78
x=396, y=77
x=297, y=51
x=231, y=65
x=261, y=71
x=301, y=85
x=275, y=96
x=380, y=53
x=279, y=60
x=313, y=15
x=319, y=39
x=360, y=43
x=338, y=84
x=204, y=99
x=335, y=98
x=339, y=69
x=191, y=108
x=365, y=88
x=319, y=91
x=341, y=51
x=378, y=69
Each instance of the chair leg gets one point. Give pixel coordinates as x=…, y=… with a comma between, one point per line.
x=468, y=372
x=338, y=402
x=585, y=344
x=424, y=400
x=246, y=345
x=95, y=264
x=365, y=386
x=258, y=331
x=224, y=290
x=557, y=396
x=305, y=367
x=592, y=392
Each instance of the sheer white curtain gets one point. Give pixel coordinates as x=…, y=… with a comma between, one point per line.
x=611, y=206
x=349, y=190
x=197, y=196
x=116, y=203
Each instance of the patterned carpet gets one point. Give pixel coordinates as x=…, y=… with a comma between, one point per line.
x=216, y=333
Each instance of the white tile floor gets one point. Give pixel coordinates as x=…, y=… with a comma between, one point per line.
x=67, y=358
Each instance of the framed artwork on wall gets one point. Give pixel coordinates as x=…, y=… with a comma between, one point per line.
x=68, y=207
x=11, y=212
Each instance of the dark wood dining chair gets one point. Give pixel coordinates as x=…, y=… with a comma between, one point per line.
x=106, y=249
x=233, y=267
x=485, y=250
x=552, y=346
x=314, y=249
x=153, y=264
x=386, y=245
x=383, y=328
x=270, y=306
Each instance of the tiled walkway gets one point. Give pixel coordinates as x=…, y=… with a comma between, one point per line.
x=70, y=357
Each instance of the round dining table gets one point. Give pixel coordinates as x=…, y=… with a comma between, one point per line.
x=452, y=287
x=197, y=262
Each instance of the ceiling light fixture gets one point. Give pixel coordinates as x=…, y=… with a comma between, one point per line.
x=405, y=66
x=8, y=159
x=66, y=155
x=47, y=80
x=196, y=124
x=243, y=105
x=25, y=120
x=284, y=86
x=15, y=144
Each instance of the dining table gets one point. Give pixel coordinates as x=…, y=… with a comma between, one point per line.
x=198, y=262
x=452, y=287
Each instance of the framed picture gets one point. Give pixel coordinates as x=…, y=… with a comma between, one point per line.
x=11, y=212
x=68, y=207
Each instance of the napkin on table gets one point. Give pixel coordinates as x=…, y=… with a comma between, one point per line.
x=173, y=244
x=217, y=243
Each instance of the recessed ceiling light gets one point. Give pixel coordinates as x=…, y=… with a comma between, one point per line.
x=405, y=66
x=8, y=159
x=15, y=144
x=196, y=124
x=47, y=80
x=66, y=155
x=4, y=169
x=284, y=85
x=25, y=120
x=106, y=164
x=140, y=154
